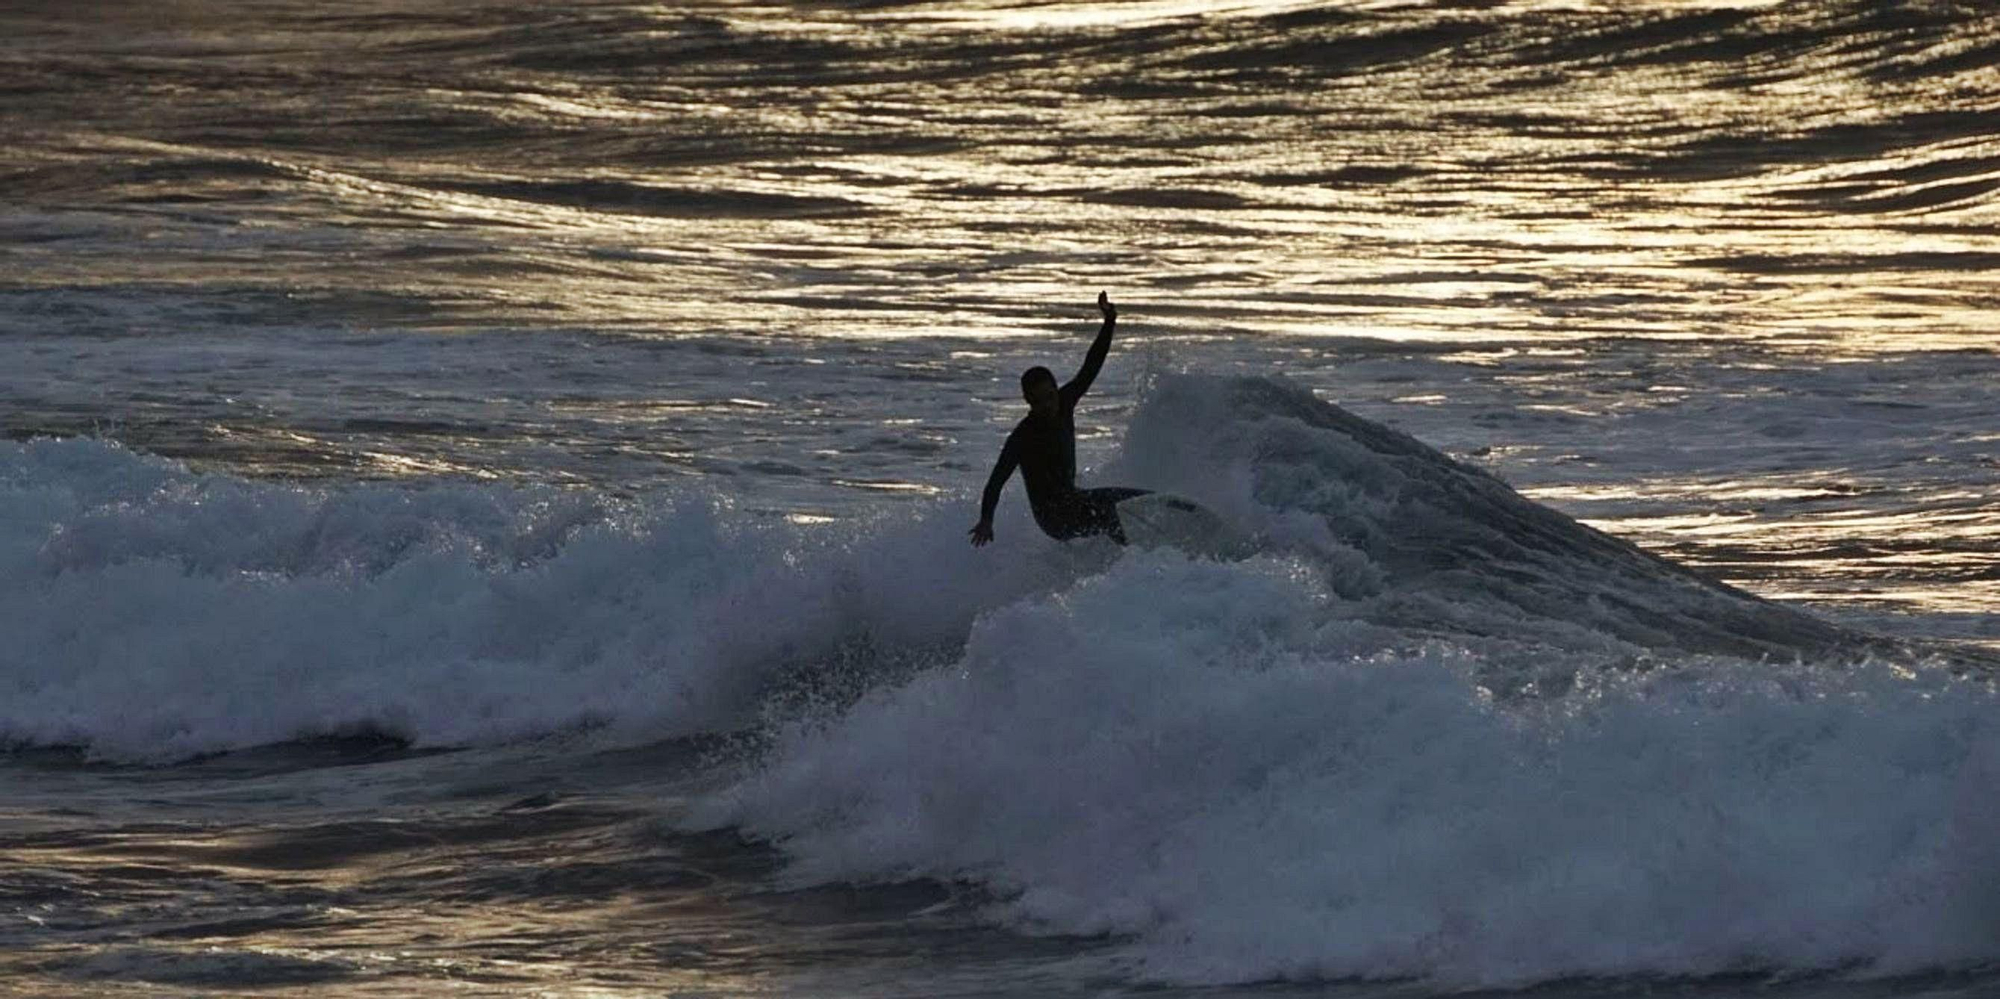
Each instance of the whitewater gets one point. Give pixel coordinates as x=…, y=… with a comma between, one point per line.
x=484, y=497
x=1431, y=730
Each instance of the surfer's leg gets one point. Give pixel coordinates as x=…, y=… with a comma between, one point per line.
x=1115, y=494
x=1085, y=512
x=1101, y=510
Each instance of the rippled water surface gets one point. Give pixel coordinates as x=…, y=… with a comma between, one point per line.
x=555, y=379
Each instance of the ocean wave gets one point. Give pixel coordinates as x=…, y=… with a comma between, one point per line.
x=158, y=612
x=1419, y=542
x=1208, y=763
x=1427, y=730
x=155, y=612
x=1431, y=731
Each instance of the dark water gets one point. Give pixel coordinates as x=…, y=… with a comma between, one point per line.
x=521, y=543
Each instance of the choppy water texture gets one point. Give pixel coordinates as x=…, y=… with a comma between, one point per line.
x=521, y=547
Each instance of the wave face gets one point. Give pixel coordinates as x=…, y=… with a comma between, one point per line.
x=1419, y=542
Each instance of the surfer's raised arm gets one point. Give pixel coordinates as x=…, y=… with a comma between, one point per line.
x=1010, y=456
x=1094, y=360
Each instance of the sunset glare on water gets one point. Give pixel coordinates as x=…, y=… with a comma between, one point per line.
x=486, y=488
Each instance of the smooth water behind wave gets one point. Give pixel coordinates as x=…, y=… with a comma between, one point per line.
x=1818, y=172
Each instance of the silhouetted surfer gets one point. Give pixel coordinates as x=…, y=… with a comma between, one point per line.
x=1043, y=446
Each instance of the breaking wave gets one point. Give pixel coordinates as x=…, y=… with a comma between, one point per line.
x=1429, y=729
x=1432, y=731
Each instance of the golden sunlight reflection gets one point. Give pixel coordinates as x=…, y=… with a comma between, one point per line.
x=1027, y=188
x=1005, y=16
x=1930, y=560
x=383, y=939
x=1459, y=192
x=537, y=353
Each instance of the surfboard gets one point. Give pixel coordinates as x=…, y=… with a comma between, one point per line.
x=1163, y=520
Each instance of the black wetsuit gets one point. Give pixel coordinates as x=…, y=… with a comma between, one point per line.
x=1044, y=448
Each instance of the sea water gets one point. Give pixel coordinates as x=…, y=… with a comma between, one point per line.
x=485, y=501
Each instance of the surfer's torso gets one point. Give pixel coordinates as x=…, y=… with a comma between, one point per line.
x=1045, y=446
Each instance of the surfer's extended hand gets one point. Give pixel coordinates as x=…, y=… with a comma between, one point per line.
x=981, y=532
x=1104, y=305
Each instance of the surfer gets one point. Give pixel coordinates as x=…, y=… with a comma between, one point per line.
x=1043, y=446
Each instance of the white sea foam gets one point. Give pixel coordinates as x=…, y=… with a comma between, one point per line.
x=1432, y=730
x=153, y=612
x=156, y=612
x=1204, y=758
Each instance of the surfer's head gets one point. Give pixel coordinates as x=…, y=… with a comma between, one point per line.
x=1038, y=386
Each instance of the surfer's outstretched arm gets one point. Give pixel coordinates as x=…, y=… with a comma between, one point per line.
x=1010, y=456
x=1095, y=359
